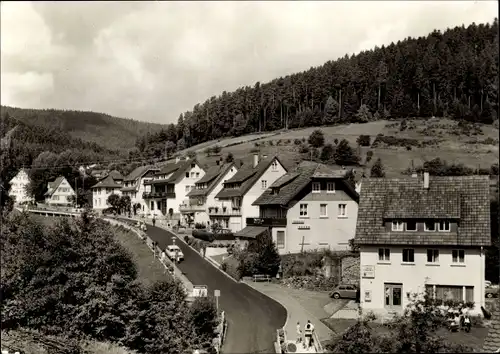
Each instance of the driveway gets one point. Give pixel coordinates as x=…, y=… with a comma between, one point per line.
x=253, y=318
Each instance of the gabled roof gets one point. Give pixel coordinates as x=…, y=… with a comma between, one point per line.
x=107, y=182
x=117, y=176
x=466, y=198
x=139, y=172
x=212, y=178
x=52, y=186
x=492, y=341
x=247, y=176
x=177, y=169
x=285, y=188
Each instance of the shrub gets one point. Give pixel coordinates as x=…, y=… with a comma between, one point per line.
x=254, y=150
x=200, y=226
x=297, y=141
x=304, y=149
x=316, y=139
x=363, y=140
x=186, y=239
x=327, y=153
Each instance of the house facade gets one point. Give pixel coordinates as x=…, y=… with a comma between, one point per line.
x=169, y=187
x=310, y=208
x=59, y=192
x=240, y=192
x=195, y=209
x=422, y=234
x=102, y=190
x=133, y=186
x=18, y=186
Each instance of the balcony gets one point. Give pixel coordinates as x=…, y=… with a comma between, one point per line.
x=149, y=195
x=224, y=211
x=186, y=208
x=269, y=222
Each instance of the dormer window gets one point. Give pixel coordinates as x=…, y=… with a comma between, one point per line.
x=397, y=226
x=330, y=187
x=444, y=226
x=187, y=174
x=411, y=225
x=316, y=187
x=430, y=226
x=274, y=165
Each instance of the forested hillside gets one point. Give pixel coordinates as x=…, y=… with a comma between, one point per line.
x=446, y=74
x=110, y=132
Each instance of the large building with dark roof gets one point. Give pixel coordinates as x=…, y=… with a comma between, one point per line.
x=238, y=194
x=103, y=189
x=133, y=186
x=423, y=233
x=312, y=207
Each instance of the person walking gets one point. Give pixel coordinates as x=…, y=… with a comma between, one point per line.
x=299, y=333
x=154, y=221
x=308, y=333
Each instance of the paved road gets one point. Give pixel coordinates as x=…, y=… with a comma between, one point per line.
x=252, y=317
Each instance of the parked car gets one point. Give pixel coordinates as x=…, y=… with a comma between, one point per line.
x=491, y=292
x=174, y=253
x=345, y=291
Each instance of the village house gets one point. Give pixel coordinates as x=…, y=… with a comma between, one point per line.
x=99, y=174
x=18, y=186
x=103, y=189
x=168, y=188
x=195, y=209
x=312, y=207
x=422, y=234
x=239, y=192
x=133, y=186
x=59, y=192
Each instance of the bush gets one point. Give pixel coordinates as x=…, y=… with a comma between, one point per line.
x=316, y=139
x=304, y=149
x=186, y=239
x=297, y=141
x=363, y=140
x=199, y=226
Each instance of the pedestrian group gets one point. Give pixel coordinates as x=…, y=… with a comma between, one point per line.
x=308, y=334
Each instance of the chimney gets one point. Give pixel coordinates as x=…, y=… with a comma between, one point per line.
x=264, y=156
x=217, y=162
x=426, y=180
x=255, y=160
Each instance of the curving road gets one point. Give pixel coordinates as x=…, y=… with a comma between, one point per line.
x=252, y=317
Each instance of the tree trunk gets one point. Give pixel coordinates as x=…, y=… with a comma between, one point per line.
x=340, y=103
x=482, y=93
x=434, y=95
x=281, y=113
x=468, y=100
x=418, y=102
x=379, y=89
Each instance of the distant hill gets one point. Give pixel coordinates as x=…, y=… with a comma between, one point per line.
x=109, y=132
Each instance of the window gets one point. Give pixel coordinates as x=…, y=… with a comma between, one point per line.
x=187, y=174
x=187, y=188
x=274, y=165
x=411, y=225
x=197, y=174
x=342, y=210
x=384, y=254
x=408, y=255
x=193, y=165
x=264, y=184
x=397, y=226
x=322, y=211
x=458, y=256
x=444, y=226
x=280, y=239
x=303, y=210
x=330, y=187
x=316, y=187
x=193, y=174
x=430, y=226
x=432, y=256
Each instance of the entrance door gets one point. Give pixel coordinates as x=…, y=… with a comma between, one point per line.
x=393, y=296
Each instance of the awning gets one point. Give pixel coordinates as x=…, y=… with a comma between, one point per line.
x=251, y=231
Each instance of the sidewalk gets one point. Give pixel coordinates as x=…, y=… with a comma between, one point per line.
x=297, y=309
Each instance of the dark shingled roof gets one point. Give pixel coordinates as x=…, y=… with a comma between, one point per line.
x=212, y=178
x=247, y=176
x=464, y=197
x=139, y=172
x=177, y=169
x=251, y=231
x=492, y=341
x=294, y=182
x=107, y=182
x=117, y=176
x=53, y=185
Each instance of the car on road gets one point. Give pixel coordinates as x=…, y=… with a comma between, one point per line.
x=345, y=291
x=174, y=253
x=491, y=291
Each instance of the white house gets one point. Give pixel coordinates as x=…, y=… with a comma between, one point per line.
x=422, y=234
x=239, y=192
x=203, y=195
x=59, y=192
x=310, y=208
x=102, y=190
x=169, y=187
x=18, y=186
x=133, y=186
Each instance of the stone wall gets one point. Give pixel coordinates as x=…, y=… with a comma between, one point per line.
x=350, y=270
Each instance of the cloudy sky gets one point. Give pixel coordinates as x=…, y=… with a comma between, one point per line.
x=153, y=60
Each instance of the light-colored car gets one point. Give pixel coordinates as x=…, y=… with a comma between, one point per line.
x=344, y=291
x=174, y=253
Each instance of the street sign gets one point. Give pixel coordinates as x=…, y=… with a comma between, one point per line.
x=200, y=291
x=216, y=293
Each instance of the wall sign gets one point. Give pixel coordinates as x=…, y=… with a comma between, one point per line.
x=304, y=227
x=297, y=221
x=368, y=295
x=368, y=271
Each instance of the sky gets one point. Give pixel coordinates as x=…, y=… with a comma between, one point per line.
x=151, y=61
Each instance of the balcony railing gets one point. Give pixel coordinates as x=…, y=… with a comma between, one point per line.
x=193, y=207
x=277, y=222
x=148, y=195
x=224, y=211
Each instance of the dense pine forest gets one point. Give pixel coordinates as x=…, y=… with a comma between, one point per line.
x=446, y=74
